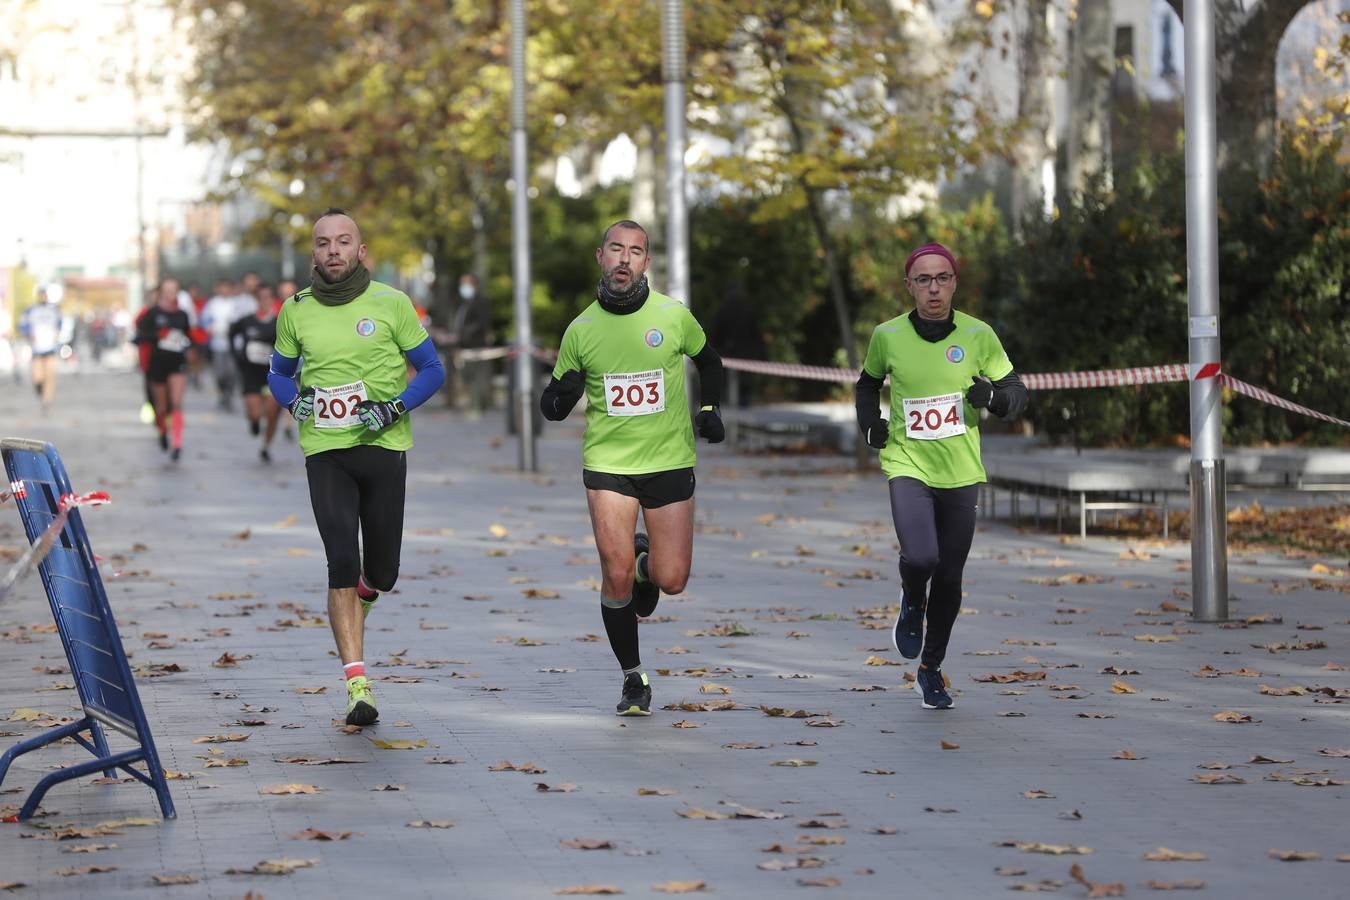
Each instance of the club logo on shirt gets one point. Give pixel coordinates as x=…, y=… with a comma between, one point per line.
x=955, y=354
x=365, y=327
x=654, y=337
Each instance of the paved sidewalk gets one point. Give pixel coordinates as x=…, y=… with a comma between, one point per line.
x=492, y=650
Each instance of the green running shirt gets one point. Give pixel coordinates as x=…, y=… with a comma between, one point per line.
x=637, y=418
x=934, y=432
x=351, y=352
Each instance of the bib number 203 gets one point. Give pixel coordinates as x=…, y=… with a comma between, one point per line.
x=635, y=393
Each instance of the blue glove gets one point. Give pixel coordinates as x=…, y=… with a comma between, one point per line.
x=379, y=414
x=302, y=407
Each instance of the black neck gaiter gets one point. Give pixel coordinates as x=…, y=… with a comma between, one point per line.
x=339, y=292
x=932, y=330
x=622, y=304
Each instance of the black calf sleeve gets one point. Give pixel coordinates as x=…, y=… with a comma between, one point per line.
x=621, y=625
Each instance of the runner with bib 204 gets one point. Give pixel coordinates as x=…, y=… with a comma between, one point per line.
x=625, y=353
x=944, y=367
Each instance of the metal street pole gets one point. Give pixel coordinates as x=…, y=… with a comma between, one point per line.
x=677, y=217
x=520, y=245
x=1209, y=536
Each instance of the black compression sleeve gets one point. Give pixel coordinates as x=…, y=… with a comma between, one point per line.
x=867, y=399
x=557, y=401
x=709, y=366
x=1010, y=397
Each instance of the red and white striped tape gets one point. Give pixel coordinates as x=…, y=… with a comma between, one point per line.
x=43, y=545
x=1043, y=381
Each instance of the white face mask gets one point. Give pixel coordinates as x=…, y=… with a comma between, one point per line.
x=466, y=291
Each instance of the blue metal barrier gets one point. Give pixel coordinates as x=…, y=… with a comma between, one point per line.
x=98, y=663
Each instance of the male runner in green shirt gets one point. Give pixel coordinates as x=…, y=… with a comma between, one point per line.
x=357, y=338
x=626, y=353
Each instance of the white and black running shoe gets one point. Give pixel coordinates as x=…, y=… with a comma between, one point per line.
x=929, y=684
x=637, y=696
x=907, y=633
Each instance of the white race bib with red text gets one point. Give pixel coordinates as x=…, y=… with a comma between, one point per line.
x=635, y=393
x=335, y=407
x=935, y=418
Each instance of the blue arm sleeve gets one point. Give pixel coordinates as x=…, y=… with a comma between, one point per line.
x=281, y=378
x=429, y=378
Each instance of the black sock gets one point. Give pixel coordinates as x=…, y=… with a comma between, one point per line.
x=622, y=627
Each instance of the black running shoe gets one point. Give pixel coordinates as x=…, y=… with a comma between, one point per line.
x=645, y=593
x=907, y=634
x=254, y=427
x=175, y=453
x=928, y=682
x=637, y=696
x=163, y=441
x=265, y=455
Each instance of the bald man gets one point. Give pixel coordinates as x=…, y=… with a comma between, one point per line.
x=352, y=400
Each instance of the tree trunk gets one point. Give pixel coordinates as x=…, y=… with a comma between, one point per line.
x=1092, y=64
x=1035, y=142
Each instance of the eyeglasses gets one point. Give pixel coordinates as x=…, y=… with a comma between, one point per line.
x=943, y=279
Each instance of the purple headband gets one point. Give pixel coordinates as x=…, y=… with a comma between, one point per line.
x=933, y=249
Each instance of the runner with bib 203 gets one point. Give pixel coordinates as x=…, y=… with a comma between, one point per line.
x=625, y=353
x=944, y=367
x=357, y=337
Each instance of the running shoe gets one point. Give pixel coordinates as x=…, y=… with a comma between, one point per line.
x=265, y=455
x=645, y=593
x=907, y=633
x=175, y=453
x=637, y=696
x=254, y=427
x=367, y=594
x=163, y=441
x=360, y=702
x=929, y=685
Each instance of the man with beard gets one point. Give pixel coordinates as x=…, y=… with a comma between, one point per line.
x=357, y=337
x=626, y=353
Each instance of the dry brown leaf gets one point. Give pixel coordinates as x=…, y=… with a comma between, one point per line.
x=746, y=745
x=1040, y=847
x=1295, y=855
x=231, y=738
x=1224, y=778
x=431, y=823
x=166, y=880
x=314, y=834
x=881, y=661
x=1120, y=687
x=1010, y=871
x=311, y=690
x=657, y=792
x=710, y=688
x=1009, y=677
x=1038, y=794
x=279, y=789
x=1047, y=885
x=1261, y=760
x=565, y=787
x=1127, y=753
x=507, y=766
x=1188, y=885
x=679, y=887
x=1234, y=717
x=280, y=866
x=587, y=844
x=878, y=771
x=793, y=763
x=401, y=744
x=85, y=870
x=819, y=882
x=683, y=723
x=588, y=890
x=785, y=713
x=1156, y=638
x=745, y=812
x=948, y=745
x=694, y=812
x=1163, y=854
x=1096, y=888
x=1334, y=752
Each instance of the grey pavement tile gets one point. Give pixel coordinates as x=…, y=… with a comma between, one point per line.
x=491, y=649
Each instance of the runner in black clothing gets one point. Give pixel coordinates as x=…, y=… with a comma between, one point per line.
x=251, y=340
x=166, y=330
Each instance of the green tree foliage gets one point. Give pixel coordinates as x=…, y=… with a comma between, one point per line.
x=1104, y=286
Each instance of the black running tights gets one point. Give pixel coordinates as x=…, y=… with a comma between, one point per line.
x=935, y=527
x=359, y=488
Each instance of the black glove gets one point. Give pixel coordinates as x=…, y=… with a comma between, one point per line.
x=709, y=425
x=378, y=414
x=980, y=392
x=302, y=407
x=562, y=394
x=877, y=433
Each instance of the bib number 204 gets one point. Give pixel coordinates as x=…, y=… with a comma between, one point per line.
x=934, y=418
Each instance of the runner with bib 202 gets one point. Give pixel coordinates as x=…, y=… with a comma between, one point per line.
x=357, y=337
x=944, y=367
x=625, y=353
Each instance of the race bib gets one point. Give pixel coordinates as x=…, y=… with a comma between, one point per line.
x=258, y=352
x=174, y=341
x=935, y=418
x=335, y=407
x=635, y=393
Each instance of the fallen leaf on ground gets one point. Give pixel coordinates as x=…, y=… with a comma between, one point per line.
x=401, y=744
x=878, y=771
x=1223, y=778
x=230, y=738
x=657, y=792
x=587, y=844
x=1120, y=687
x=1334, y=751
x=1295, y=855
x=507, y=766
x=588, y=889
x=565, y=787
x=1156, y=638
x=444, y=760
x=314, y=834
x=707, y=706
x=165, y=880
x=745, y=812
x=318, y=761
x=1038, y=795
x=1163, y=854
x=793, y=763
x=1010, y=871
x=1039, y=847
x=1260, y=760
x=1096, y=888
x=1127, y=753
x=694, y=812
x=948, y=745
x=280, y=866
x=85, y=870
x=1009, y=677
x=784, y=713
x=1046, y=885
x=289, y=789
x=1233, y=717
x=679, y=887
x=746, y=745
x=389, y=787
x=819, y=882
x=431, y=823
x=311, y=690
x=1174, y=885
x=683, y=723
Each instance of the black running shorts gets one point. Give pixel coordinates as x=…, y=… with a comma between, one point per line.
x=162, y=365
x=252, y=379
x=651, y=491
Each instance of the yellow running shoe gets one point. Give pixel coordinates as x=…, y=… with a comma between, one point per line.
x=360, y=702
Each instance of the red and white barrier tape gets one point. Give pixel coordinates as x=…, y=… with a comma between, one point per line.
x=1043, y=381
x=36, y=553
